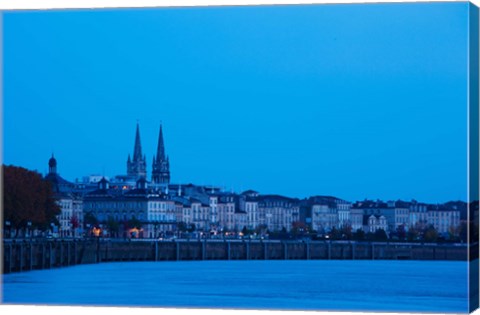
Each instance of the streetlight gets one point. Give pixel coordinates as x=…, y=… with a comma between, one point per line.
x=53, y=227
x=29, y=224
x=155, y=224
x=88, y=230
x=7, y=223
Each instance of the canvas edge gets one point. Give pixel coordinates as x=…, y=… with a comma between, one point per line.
x=473, y=152
x=1, y=156
x=473, y=135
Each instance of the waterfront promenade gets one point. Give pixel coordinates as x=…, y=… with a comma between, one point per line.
x=33, y=254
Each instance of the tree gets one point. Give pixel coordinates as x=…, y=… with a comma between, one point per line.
x=112, y=226
x=191, y=228
x=244, y=230
x=412, y=233
x=335, y=234
x=182, y=226
x=261, y=229
x=89, y=218
x=28, y=198
x=431, y=234
x=463, y=231
x=453, y=233
x=359, y=235
x=370, y=236
x=134, y=223
x=347, y=231
x=74, y=222
x=380, y=235
x=299, y=228
x=401, y=232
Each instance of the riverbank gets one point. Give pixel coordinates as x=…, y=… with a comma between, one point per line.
x=37, y=254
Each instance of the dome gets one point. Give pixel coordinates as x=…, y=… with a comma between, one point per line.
x=52, y=162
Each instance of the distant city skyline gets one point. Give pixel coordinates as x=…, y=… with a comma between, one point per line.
x=354, y=101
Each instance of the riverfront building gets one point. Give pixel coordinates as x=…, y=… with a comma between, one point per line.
x=69, y=200
x=277, y=212
x=329, y=212
x=445, y=219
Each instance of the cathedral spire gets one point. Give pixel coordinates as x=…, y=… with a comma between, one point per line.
x=137, y=166
x=137, y=150
x=161, y=146
x=161, y=166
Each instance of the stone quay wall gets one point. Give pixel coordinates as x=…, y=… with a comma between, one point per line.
x=36, y=254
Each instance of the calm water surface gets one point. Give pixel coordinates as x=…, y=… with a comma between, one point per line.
x=296, y=285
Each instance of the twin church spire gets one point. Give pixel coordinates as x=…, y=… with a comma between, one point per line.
x=137, y=150
x=137, y=167
x=161, y=164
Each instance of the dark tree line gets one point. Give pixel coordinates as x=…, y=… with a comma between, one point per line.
x=27, y=197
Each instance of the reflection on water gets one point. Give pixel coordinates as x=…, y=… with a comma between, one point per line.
x=315, y=284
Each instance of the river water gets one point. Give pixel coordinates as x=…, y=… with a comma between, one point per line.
x=405, y=286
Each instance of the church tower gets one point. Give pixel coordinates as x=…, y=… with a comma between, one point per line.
x=161, y=164
x=137, y=167
x=52, y=165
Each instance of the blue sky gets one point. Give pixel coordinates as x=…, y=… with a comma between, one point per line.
x=356, y=101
